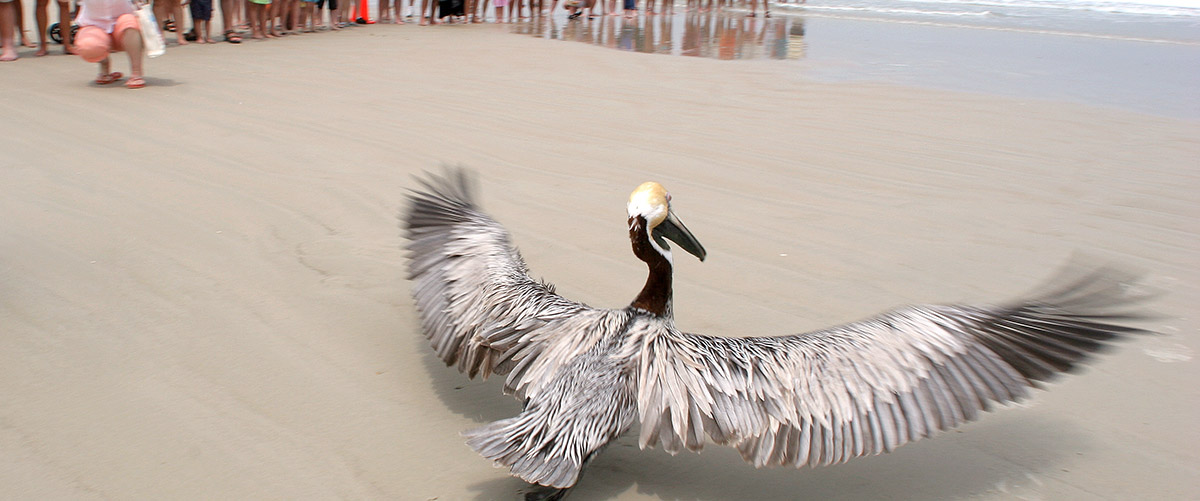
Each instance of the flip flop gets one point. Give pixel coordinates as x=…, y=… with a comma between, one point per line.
x=109, y=78
x=135, y=83
x=232, y=37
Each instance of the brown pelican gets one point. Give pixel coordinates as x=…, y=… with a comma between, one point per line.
x=586, y=375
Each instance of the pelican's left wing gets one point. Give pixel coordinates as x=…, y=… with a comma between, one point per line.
x=478, y=305
x=870, y=386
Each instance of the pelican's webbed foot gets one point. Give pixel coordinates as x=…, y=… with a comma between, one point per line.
x=546, y=493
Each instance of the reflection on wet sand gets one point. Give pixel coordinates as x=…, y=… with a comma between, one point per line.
x=716, y=35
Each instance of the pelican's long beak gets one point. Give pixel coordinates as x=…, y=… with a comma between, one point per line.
x=672, y=228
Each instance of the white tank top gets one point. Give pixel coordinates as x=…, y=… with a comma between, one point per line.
x=102, y=14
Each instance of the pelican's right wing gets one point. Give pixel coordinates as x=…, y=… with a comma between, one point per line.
x=478, y=305
x=869, y=386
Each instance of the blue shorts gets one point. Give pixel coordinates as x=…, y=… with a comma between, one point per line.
x=201, y=10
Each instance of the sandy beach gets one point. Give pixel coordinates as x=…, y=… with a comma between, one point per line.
x=203, y=295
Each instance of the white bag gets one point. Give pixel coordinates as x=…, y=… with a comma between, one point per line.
x=152, y=38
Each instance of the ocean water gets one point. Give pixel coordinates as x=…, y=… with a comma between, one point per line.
x=1164, y=21
x=1140, y=55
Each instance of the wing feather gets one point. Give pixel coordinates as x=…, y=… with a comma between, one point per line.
x=868, y=387
x=478, y=305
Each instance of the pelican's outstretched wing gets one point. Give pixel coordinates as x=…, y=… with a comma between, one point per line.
x=867, y=387
x=478, y=305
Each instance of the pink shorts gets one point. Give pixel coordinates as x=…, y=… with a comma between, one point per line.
x=93, y=44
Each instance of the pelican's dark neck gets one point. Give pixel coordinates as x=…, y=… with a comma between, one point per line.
x=656, y=294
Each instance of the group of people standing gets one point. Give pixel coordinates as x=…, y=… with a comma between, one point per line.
x=476, y=11
x=106, y=26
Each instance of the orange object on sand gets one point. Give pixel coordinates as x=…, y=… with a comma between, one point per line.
x=362, y=11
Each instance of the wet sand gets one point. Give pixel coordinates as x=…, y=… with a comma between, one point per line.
x=1150, y=70
x=202, y=290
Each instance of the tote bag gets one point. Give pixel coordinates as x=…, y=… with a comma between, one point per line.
x=152, y=37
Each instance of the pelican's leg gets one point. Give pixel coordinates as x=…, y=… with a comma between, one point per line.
x=544, y=493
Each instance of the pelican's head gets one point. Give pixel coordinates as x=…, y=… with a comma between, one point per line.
x=651, y=202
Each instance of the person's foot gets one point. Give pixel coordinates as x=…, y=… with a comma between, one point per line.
x=108, y=78
x=8, y=55
x=135, y=82
x=41, y=51
x=25, y=41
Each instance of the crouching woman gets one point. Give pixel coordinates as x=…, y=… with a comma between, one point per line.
x=110, y=26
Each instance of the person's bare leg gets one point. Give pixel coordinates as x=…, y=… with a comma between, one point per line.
x=227, y=18
x=254, y=12
x=285, y=17
x=43, y=22
x=19, y=19
x=266, y=20
x=8, y=50
x=105, y=68
x=239, y=14
x=434, y=11
x=132, y=40
x=274, y=11
x=64, y=22
x=177, y=7
x=162, y=10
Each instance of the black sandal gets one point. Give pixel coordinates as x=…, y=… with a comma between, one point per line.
x=232, y=37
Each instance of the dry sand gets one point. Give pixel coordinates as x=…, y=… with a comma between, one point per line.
x=202, y=291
